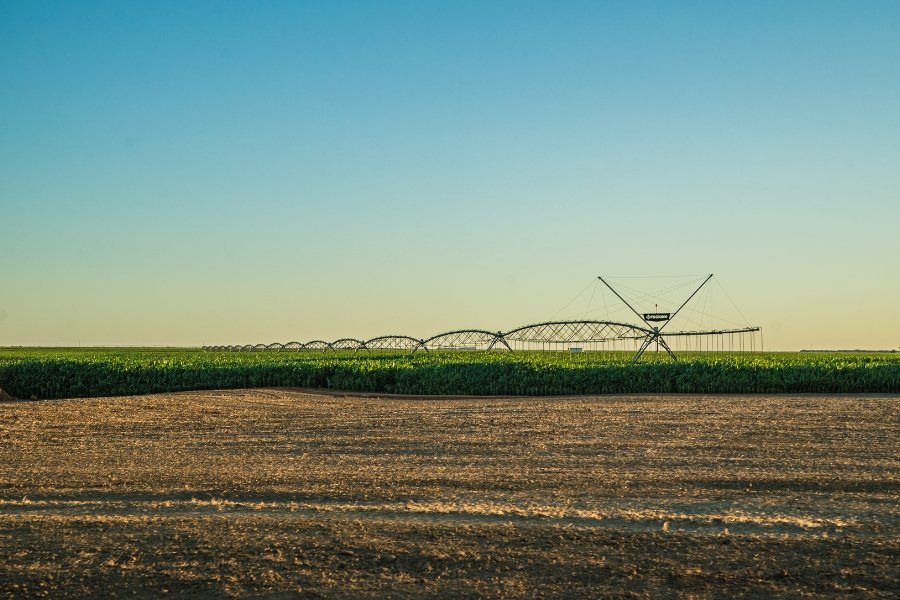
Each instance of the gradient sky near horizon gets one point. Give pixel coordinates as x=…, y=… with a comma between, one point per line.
x=179, y=173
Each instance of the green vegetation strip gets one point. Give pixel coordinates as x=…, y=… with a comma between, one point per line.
x=61, y=373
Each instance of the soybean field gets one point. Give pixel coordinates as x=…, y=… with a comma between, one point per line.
x=288, y=494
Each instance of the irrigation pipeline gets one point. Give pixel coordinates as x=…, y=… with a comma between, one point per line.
x=571, y=336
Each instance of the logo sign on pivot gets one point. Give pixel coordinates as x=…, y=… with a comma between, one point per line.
x=657, y=316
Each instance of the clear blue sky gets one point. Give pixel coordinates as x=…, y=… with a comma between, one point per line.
x=224, y=172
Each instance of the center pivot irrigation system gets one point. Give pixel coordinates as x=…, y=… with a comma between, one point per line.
x=591, y=335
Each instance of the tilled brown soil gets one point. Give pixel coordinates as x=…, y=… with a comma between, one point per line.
x=280, y=494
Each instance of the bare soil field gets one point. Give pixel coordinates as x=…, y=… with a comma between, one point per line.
x=283, y=494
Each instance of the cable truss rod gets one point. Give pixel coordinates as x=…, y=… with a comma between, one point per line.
x=639, y=315
x=686, y=301
x=712, y=332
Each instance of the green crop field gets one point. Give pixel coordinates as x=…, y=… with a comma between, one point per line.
x=68, y=373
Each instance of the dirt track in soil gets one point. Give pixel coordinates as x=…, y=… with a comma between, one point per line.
x=279, y=493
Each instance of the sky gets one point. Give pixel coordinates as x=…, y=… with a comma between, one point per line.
x=187, y=173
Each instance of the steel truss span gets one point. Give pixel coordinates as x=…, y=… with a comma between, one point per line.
x=567, y=336
x=393, y=342
x=465, y=339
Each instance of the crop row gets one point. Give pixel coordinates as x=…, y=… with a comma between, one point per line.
x=67, y=374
